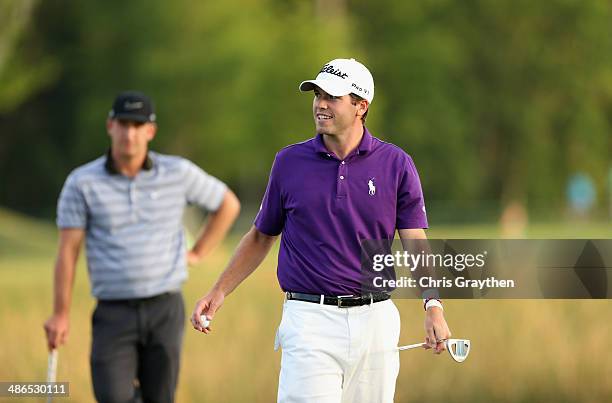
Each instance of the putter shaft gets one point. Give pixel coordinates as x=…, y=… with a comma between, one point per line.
x=411, y=346
x=417, y=345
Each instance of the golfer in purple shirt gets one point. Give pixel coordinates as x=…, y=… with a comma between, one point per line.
x=325, y=196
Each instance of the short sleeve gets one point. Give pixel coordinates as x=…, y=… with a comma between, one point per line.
x=411, y=212
x=202, y=189
x=71, y=205
x=271, y=217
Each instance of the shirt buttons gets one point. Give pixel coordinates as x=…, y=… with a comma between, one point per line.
x=329, y=155
x=342, y=162
x=341, y=176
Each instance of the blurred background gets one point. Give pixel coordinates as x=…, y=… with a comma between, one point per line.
x=505, y=107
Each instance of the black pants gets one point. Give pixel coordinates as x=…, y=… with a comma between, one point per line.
x=136, y=346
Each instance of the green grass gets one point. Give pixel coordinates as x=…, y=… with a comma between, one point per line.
x=523, y=350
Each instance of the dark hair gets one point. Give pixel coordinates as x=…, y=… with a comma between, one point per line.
x=356, y=98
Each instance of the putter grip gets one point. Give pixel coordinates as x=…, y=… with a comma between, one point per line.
x=52, y=366
x=51, y=370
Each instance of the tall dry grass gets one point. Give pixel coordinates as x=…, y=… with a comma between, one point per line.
x=523, y=350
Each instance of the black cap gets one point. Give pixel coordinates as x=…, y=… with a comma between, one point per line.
x=133, y=105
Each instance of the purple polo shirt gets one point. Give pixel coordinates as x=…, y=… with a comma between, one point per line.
x=324, y=207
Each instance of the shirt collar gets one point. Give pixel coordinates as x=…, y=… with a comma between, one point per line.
x=364, y=146
x=319, y=145
x=111, y=168
x=366, y=141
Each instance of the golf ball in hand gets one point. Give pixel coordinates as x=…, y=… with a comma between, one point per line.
x=204, y=321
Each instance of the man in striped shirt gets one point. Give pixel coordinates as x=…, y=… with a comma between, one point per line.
x=128, y=206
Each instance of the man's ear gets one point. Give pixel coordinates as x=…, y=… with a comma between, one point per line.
x=362, y=107
x=151, y=131
x=109, y=124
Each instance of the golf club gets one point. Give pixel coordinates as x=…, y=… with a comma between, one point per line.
x=51, y=370
x=457, y=348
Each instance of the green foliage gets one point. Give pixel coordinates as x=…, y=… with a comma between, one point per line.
x=495, y=100
x=23, y=71
x=509, y=98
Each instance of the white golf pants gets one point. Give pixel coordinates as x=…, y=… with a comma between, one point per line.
x=338, y=355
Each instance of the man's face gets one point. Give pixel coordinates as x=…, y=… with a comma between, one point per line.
x=128, y=138
x=334, y=115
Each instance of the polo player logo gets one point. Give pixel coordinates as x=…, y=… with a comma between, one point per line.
x=371, y=187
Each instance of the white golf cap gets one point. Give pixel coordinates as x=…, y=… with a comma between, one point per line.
x=342, y=77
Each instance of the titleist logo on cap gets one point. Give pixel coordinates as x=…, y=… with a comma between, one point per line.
x=328, y=68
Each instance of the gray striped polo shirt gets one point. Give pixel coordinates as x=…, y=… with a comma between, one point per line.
x=135, y=240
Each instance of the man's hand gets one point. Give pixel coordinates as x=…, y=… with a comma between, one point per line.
x=215, y=229
x=193, y=258
x=56, y=328
x=208, y=306
x=436, y=330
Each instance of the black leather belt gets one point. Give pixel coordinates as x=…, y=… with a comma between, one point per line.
x=137, y=301
x=343, y=301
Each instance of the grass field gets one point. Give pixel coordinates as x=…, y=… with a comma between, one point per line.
x=523, y=350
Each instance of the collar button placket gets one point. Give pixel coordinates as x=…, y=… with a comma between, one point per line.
x=132, y=196
x=341, y=179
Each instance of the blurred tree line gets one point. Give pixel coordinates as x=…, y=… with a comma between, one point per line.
x=495, y=100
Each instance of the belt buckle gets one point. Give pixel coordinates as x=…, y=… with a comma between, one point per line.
x=341, y=297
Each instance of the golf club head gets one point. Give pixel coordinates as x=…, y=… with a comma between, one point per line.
x=458, y=348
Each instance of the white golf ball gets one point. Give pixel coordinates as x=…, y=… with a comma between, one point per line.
x=204, y=321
